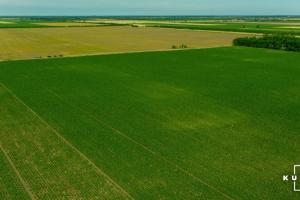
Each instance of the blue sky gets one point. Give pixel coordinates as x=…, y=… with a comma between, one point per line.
x=152, y=7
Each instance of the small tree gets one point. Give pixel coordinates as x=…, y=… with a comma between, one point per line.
x=183, y=46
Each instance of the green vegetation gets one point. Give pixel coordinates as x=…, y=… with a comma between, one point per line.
x=182, y=46
x=232, y=24
x=278, y=41
x=20, y=24
x=234, y=27
x=197, y=124
x=45, y=23
x=47, y=165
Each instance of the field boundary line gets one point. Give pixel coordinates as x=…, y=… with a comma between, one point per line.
x=208, y=30
x=14, y=168
x=146, y=148
x=142, y=51
x=116, y=53
x=101, y=172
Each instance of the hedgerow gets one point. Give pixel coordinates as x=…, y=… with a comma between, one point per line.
x=271, y=41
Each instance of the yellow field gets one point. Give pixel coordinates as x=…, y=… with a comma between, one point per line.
x=117, y=21
x=5, y=22
x=39, y=42
x=290, y=27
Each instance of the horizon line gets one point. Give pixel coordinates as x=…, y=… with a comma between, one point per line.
x=156, y=15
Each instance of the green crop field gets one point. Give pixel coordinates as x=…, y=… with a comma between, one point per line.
x=219, y=123
x=249, y=26
x=16, y=23
x=36, y=153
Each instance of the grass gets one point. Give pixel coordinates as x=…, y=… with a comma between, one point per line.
x=198, y=124
x=56, y=42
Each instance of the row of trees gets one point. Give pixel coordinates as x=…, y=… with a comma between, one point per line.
x=271, y=41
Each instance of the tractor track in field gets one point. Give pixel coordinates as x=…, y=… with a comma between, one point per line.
x=98, y=170
x=124, y=135
x=14, y=168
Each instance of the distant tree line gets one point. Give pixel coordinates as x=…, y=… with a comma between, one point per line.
x=271, y=41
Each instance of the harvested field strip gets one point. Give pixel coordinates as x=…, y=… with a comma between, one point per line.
x=290, y=27
x=6, y=22
x=57, y=42
x=66, y=24
x=36, y=152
